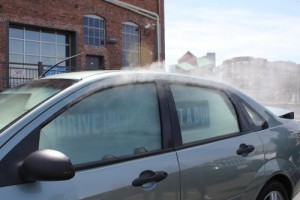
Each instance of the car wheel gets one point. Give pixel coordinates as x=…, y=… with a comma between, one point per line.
x=273, y=191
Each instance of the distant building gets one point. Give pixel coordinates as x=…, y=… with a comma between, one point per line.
x=189, y=58
x=244, y=72
x=110, y=34
x=275, y=82
x=202, y=66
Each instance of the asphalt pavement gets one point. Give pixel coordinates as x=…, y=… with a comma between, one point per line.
x=297, y=197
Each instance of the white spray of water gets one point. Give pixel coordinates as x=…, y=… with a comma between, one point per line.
x=271, y=83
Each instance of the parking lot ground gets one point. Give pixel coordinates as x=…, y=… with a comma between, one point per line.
x=297, y=197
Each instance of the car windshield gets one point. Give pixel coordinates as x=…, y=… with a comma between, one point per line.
x=17, y=101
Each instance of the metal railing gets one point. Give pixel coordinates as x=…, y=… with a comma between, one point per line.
x=12, y=74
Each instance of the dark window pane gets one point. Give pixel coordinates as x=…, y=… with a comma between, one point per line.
x=97, y=23
x=32, y=35
x=32, y=59
x=86, y=31
x=16, y=46
x=16, y=58
x=91, y=22
x=137, y=39
x=86, y=21
x=86, y=40
x=102, y=34
x=61, y=51
x=48, y=60
x=123, y=45
x=48, y=49
x=127, y=29
x=130, y=45
x=130, y=29
x=62, y=39
x=97, y=42
x=48, y=37
x=16, y=33
x=91, y=41
x=34, y=43
x=123, y=28
x=133, y=29
x=132, y=39
x=101, y=24
x=91, y=32
x=97, y=33
x=32, y=48
x=124, y=37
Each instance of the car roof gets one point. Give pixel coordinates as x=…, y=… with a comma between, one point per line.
x=142, y=74
x=146, y=75
x=77, y=75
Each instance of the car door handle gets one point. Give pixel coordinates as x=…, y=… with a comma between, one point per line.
x=148, y=177
x=245, y=149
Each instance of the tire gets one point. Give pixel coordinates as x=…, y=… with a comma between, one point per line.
x=273, y=191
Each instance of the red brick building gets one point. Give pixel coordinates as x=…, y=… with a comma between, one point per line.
x=111, y=34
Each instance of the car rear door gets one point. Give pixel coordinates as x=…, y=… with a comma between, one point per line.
x=118, y=138
x=219, y=157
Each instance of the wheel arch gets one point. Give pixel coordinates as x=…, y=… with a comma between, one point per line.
x=284, y=180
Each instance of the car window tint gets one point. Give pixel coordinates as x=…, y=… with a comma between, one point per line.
x=203, y=113
x=115, y=122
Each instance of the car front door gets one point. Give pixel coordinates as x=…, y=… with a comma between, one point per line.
x=217, y=158
x=115, y=139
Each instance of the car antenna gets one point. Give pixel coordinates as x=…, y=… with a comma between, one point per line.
x=44, y=74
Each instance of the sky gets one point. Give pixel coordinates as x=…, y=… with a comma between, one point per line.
x=259, y=28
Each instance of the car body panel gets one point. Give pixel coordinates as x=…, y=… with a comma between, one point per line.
x=107, y=182
x=214, y=169
x=282, y=152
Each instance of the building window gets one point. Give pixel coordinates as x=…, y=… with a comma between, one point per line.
x=94, y=32
x=28, y=46
x=130, y=45
x=31, y=46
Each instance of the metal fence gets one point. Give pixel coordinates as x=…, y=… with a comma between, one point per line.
x=13, y=74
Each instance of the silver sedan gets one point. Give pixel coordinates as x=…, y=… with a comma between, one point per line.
x=136, y=135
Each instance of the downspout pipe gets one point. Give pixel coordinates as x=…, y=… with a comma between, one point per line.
x=146, y=13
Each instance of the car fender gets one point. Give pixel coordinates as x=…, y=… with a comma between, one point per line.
x=281, y=170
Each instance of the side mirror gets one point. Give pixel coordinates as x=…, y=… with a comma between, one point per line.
x=46, y=165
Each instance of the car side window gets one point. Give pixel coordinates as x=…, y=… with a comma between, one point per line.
x=255, y=119
x=203, y=113
x=112, y=123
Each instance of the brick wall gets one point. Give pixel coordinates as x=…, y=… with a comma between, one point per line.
x=3, y=51
x=67, y=15
x=151, y=5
